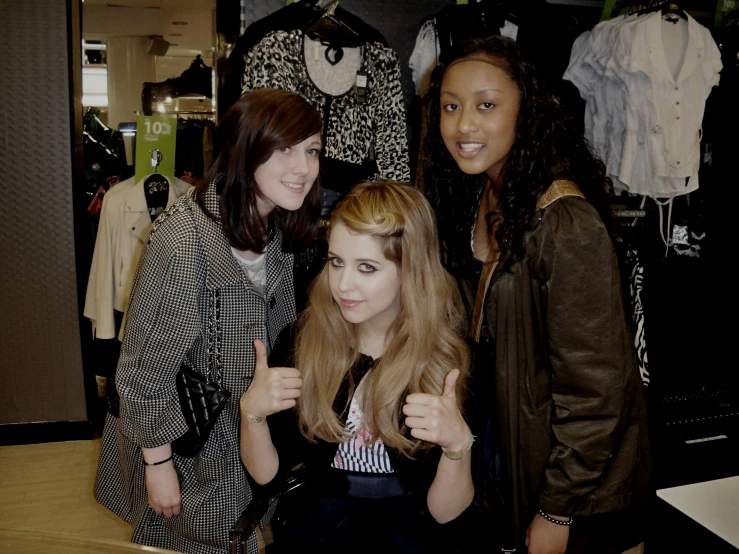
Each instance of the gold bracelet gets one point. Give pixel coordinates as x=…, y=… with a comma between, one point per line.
x=459, y=454
x=250, y=416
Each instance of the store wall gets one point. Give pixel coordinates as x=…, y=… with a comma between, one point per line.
x=41, y=378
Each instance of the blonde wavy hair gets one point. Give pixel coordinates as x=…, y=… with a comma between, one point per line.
x=424, y=342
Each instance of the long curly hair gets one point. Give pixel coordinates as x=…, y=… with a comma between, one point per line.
x=423, y=344
x=546, y=147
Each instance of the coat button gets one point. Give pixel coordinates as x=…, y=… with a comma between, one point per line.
x=272, y=302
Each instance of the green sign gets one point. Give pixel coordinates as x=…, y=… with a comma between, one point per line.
x=607, y=10
x=155, y=145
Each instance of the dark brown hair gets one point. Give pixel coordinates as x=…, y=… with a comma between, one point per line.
x=259, y=123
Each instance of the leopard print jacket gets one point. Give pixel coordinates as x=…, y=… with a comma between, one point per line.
x=352, y=129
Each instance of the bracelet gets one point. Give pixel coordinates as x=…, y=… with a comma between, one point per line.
x=452, y=455
x=552, y=520
x=250, y=416
x=158, y=463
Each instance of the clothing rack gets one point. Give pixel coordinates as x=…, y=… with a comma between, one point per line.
x=696, y=8
x=650, y=6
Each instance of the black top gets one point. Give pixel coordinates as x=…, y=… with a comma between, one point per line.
x=415, y=475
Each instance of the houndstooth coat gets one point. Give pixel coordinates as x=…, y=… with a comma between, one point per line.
x=186, y=260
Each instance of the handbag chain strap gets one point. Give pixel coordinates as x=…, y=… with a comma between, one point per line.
x=215, y=364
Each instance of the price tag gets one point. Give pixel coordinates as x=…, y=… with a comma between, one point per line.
x=361, y=86
x=155, y=133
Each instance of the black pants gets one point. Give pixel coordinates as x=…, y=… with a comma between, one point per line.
x=608, y=533
x=358, y=513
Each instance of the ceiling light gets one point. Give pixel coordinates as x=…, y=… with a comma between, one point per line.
x=179, y=23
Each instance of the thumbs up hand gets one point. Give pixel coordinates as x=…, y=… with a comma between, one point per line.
x=437, y=419
x=272, y=389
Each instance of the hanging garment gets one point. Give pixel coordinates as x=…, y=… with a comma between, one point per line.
x=636, y=285
x=646, y=81
x=360, y=122
x=124, y=227
x=196, y=79
x=293, y=16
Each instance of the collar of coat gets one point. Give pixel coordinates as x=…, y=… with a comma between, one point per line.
x=223, y=269
x=558, y=189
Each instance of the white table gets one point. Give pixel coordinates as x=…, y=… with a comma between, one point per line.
x=713, y=504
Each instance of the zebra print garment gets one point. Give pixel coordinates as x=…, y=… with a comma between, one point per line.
x=636, y=285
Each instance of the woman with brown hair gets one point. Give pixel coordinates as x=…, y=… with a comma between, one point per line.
x=215, y=275
x=380, y=380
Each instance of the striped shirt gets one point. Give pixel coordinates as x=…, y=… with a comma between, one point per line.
x=355, y=454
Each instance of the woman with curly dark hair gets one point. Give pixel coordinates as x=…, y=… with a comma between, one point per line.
x=521, y=203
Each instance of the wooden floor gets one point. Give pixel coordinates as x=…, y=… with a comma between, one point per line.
x=48, y=488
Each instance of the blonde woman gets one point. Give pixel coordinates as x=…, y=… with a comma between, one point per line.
x=379, y=385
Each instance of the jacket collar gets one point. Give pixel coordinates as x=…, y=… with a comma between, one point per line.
x=223, y=269
x=558, y=189
x=135, y=204
x=656, y=49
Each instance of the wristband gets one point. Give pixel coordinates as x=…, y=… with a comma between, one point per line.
x=556, y=521
x=157, y=463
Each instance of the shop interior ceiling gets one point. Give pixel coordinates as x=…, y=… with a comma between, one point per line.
x=188, y=26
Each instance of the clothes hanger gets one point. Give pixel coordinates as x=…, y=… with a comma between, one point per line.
x=673, y=9
x=667, y=8
x=156, y=188
x=331, y=30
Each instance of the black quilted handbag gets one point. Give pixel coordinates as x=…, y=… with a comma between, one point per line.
x=202, y=398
